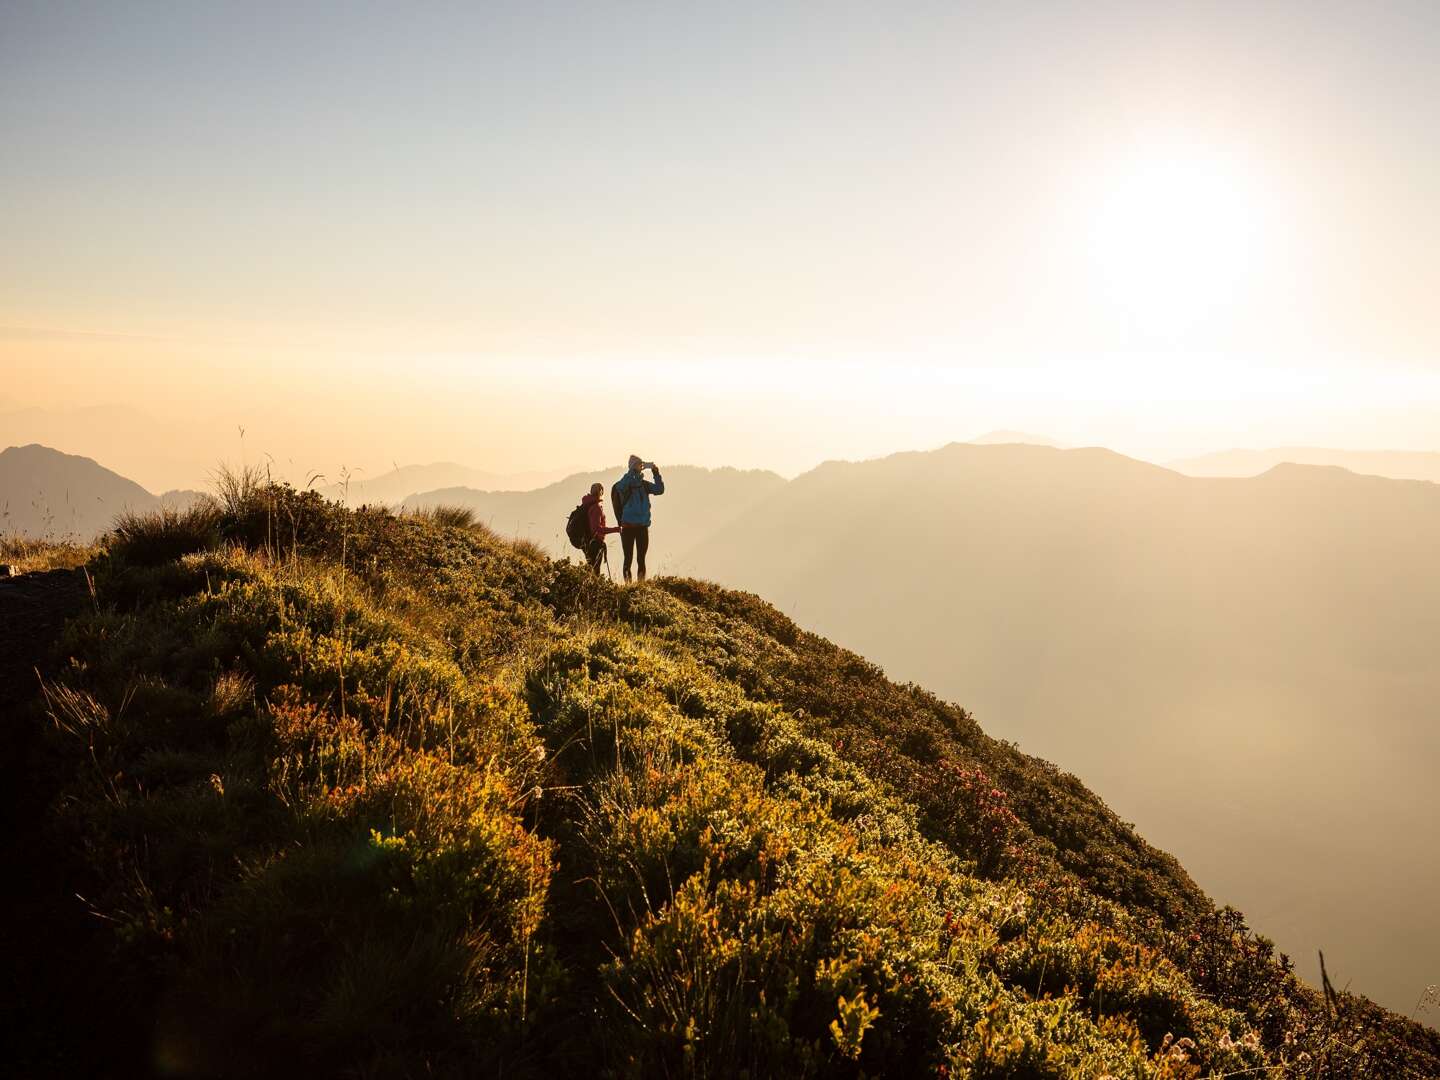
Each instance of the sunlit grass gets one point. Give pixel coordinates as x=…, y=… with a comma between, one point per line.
x=454, y=517
x=24, y=555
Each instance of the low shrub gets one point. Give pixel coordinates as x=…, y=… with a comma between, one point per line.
x=152, y=537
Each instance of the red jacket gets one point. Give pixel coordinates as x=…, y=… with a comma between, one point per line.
x=596, y=511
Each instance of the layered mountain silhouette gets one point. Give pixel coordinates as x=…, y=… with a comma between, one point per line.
x=697, y=502
x=397, y=485
x=1246, y=666
x=46, y=493
x=1396, y=464
x=1004, y=436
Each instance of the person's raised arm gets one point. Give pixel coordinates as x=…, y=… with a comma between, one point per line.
x=658, y=487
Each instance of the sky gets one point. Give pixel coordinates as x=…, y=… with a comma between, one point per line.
x=540, y=234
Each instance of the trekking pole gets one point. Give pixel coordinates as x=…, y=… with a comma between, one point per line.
x=608, y=572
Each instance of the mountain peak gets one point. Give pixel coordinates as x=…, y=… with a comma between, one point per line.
x=47, y=492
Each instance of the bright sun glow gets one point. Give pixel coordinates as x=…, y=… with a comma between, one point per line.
x=1177, y=237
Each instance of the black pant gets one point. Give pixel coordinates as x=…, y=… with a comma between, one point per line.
x=635, y=539
x=595, y=553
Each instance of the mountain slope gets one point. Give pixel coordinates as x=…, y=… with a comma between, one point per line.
x=382, y=797
x=1395, y=464
x=161, y=449
x=46, y=493
x=1263, y=648
x=696, y=503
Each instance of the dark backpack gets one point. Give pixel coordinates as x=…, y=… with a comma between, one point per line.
x=617, y=501
x=577, y=527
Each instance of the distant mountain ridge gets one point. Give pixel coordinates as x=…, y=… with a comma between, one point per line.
x=1004, y=436
x=47, y=493
x=396, y=486
x=697, y=502
x=1264, y=647
x=1395, y=464
x=133, y=443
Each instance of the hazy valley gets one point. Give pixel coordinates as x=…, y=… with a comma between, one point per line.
x=1246, y=667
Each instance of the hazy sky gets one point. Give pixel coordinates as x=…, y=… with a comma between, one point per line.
x=759, y=234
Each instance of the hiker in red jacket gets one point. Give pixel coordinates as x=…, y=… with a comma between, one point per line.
x=595, y=511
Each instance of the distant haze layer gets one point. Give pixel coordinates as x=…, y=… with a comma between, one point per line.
x=1396, y=464
x=393, y=487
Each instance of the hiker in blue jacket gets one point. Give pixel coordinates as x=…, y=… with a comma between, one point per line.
x=632, y=506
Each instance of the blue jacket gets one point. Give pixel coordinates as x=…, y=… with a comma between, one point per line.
x=635, y=492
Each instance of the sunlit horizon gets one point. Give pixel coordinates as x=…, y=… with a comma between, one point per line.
x=1151, y=230
x=787, y=416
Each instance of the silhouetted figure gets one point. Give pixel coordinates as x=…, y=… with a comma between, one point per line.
x=594, y=548
x=631, y=497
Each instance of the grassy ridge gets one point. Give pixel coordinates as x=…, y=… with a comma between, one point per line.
x=373, y=795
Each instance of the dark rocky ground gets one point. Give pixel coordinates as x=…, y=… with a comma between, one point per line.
x=63, y=1020
x=33, y=608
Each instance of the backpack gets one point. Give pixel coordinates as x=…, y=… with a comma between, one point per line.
x=617, y=501
x=577, y=527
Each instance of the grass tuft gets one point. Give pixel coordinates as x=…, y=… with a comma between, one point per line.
x=240, y=490
x=160, y=536
x=450, y=516
x=151, y=537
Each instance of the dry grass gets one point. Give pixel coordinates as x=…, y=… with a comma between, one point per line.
x=156, y=536
x=239, y=489
x=26, y=556
x=455, y=517
x=231, y=693
x=529, y=548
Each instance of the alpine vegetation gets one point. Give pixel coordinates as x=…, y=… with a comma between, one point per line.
x=358, y=793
